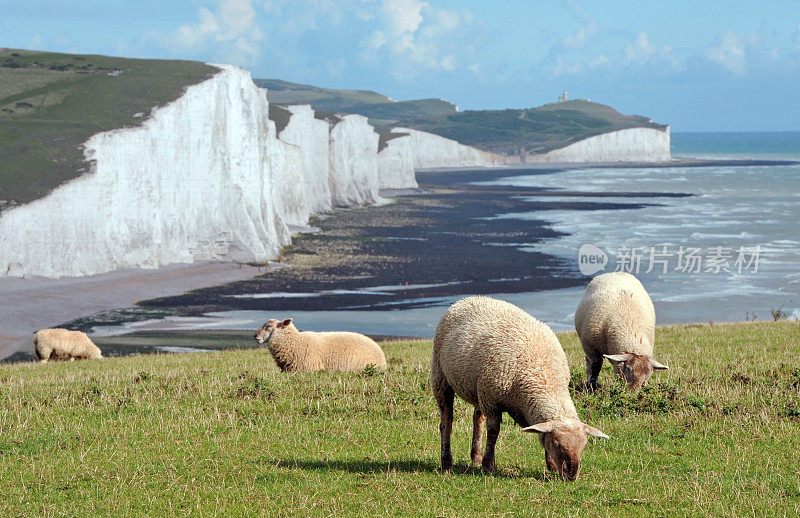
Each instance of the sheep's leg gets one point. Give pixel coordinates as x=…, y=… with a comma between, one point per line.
x=594, y=363
x=444, y=395
x=445, y=398
x=492, y=431
x=551, y=463
x=478, y=420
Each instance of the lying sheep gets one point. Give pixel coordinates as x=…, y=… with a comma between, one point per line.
x=63, y=344
x=616, y=320
x=500, y=359
x=308, y=351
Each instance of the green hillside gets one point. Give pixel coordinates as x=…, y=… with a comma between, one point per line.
x=534, y=130
x=51, y=103
x=364, y=102
x=284, y=92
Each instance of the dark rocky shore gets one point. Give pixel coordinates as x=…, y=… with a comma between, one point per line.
x=441, y=241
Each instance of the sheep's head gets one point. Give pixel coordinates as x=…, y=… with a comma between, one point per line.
x=635, y=369
x=563, y=443
x=265, y=332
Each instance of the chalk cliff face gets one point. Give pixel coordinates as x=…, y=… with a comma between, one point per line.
x=628, y=145
x=352, y=175
x=396, y=163
x=430, y=150
x=311, y=136
x=418, y=149
x=194, y=181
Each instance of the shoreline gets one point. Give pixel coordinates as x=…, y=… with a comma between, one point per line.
x=34, y=303
x=439, y=241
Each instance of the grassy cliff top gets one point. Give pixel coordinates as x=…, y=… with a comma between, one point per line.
x=284, y=92
x=226, y=433
x=364, y=102
x=533, y=130
x=52, y=103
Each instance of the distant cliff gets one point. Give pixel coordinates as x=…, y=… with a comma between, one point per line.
x=628, y=145
x=534, y=131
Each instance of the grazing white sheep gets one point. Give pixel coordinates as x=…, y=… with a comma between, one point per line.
x=500, y=359
x=309, y=351
x=63, y=344
x=616, y=320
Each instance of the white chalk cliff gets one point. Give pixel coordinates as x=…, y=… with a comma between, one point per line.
x=418, y=150
x=628, y=145
x=206, y=177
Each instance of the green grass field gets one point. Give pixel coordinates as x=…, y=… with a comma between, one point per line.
x=226, y=434
x=50, y=104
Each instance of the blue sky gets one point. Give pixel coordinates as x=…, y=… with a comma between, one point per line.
x=699, y=65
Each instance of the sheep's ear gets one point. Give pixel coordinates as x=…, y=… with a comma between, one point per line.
x=286, y=322
x=618, y=358
x=657, y=365
x=546, y=427
x=594, y=432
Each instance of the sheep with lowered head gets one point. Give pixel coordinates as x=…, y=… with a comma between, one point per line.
x=500, y=359
x=616, y=320
x=309, y=351
x=63, y=344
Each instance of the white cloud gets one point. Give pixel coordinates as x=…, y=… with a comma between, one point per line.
x=563, y=68
x=585, y=32
x=36, y=42
x=580, y=37
x=640, y=52
x=448, y=63
x=599, y=61
x=417, y=37
x=403, y=15
x=192, y=35
x=731, y=49
x=335, y=67
x=232, y=26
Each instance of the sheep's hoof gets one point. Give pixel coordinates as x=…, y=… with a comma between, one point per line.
x=489, y=466
x=477, y=458
x=447, y=463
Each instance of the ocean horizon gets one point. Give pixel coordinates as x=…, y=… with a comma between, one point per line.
x=774, y=144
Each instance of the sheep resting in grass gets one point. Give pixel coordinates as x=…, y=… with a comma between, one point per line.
x=500, y=359
x=63, y=344
x=616, y=320
x=309, y=351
